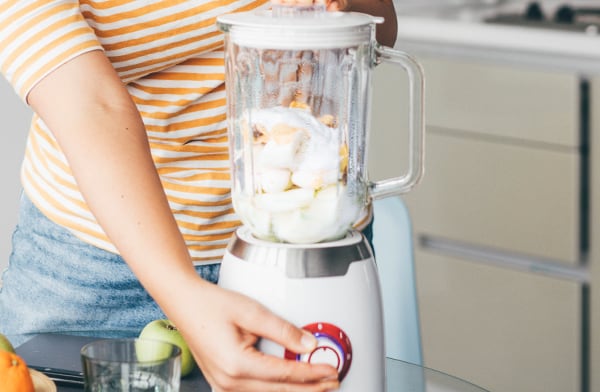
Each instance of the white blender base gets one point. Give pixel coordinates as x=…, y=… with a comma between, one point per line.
x=351, y=302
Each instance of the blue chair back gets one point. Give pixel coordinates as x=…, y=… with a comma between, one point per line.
x=392, y=242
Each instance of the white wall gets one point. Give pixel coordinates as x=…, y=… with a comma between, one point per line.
x=14, y=124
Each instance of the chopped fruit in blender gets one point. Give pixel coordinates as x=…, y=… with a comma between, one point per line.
x=299, y=105
x=328, y=120
x=299, y=176
x=275, y=180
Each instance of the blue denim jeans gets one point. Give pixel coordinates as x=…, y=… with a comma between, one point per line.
x=57, y=283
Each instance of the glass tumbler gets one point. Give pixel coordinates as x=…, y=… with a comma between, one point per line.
x=131, y=365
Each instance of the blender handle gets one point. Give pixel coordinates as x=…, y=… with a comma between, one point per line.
x=404, y=183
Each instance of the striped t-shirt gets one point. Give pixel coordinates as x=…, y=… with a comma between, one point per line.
x=170, y=55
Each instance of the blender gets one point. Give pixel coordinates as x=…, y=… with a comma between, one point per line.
x=298, y=99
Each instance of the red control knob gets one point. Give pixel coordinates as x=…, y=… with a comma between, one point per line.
x=333, y=348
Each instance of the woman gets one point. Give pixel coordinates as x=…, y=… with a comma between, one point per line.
x=126, y=208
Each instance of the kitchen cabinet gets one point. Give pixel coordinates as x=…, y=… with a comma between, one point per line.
x=594, y=248
x=502, y=329
x=505, y=102
x=504, y=196
x=500, y=219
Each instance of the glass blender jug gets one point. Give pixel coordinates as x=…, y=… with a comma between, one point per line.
x=298, y=100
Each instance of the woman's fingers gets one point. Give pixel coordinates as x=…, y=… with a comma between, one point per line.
x=262, y=322
x=225, y=348
x=332, y=5
x=252, y=385
x=278, y=373
x=304, y=3
x=337, y=5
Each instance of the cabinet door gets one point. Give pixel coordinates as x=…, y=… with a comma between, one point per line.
x=502, y=329
x=496, y=175
x=518, y=104
x=505, y=197
x=492, y=100
x=594, y=255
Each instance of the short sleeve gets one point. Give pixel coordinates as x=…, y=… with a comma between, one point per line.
x=37, y=36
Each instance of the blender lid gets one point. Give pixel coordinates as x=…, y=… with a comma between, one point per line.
x=321, y=30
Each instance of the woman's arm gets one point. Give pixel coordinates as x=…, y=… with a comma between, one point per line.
x=98, y=127
x=386, y=32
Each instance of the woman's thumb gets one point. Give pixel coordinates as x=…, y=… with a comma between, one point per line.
x=266, y=324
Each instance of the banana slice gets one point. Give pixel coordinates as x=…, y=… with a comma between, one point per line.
x=275, y=180
x=293, y=199
x=323, y=219
x=314, y=179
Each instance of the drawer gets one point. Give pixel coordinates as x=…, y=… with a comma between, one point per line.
x=508, y=197
x=503, y=101
x=505, y=330
x=491, y=100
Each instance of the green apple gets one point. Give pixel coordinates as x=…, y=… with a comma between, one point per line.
x=5, y=344
x=164, y=330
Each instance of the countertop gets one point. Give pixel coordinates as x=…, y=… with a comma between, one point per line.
x=457, y=29
x=60, y=354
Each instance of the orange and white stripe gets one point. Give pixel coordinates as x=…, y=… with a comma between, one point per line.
x=169, y=52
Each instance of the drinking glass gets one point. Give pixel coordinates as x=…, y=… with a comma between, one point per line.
x=131, y=365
